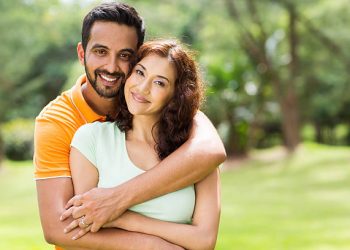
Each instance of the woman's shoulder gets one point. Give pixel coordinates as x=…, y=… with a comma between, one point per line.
x=97, y=126
x=100, y=129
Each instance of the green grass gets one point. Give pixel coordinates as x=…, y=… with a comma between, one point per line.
x=19, y=218
x=268, y=202
x=301, y=202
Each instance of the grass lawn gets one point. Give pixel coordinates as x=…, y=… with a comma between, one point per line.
x=297, y=203
x=19, y=218
x=269, y=202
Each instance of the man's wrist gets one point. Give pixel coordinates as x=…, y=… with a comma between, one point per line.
x=122, y=196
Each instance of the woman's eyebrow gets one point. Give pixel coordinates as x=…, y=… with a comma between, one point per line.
x=160, y=76
x=141, y=66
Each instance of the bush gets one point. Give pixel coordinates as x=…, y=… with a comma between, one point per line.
x=18, y=136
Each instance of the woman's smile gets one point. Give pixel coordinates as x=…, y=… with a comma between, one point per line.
x=139, y=98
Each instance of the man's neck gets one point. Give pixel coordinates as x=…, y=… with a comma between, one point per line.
x=100, y=105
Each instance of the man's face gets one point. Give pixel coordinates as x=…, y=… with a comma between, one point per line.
x=108, y=56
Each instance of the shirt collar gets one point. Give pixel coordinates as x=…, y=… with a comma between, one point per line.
x=78, y=99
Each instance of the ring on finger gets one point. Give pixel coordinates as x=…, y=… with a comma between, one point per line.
x=82, y=222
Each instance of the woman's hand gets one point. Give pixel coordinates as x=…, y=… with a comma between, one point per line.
x=80, y=222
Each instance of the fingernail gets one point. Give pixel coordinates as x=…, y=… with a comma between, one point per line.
x=61, y=218
x=65, y=231
x=74, y=238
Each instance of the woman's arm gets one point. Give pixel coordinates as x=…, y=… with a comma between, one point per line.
x=84, y=173
x=201, y=234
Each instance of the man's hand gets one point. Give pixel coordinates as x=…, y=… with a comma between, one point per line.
x=98, y=206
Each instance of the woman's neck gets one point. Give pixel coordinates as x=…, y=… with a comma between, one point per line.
x=142, y=128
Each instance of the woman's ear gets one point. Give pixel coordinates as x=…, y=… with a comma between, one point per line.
x=81, y=53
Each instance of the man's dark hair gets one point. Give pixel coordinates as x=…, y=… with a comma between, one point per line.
x=113, y=12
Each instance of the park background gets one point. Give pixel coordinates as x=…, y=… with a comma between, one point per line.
x=277, y=75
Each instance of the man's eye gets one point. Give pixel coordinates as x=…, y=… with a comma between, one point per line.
x=101, y=52
x=125, y=56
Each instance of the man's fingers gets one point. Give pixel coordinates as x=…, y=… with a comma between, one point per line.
x=81, y=233
x=71, y=226
x=66, y=213
x=78, y=212
x=75, y=201
x=95, y=227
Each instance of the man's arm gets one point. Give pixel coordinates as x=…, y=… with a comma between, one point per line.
x=54, y=193
x=194, y=160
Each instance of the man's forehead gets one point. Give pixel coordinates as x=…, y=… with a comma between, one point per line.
x=113, y=35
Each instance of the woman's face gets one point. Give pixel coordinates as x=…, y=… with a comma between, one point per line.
x=150, y=86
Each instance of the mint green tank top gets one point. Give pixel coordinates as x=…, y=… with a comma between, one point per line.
x=103, y=144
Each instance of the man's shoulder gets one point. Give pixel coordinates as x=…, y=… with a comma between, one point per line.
x=61, y=110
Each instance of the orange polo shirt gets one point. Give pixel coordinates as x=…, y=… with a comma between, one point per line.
x=54, y=130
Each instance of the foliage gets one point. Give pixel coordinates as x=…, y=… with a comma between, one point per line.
x=18, y=139
x=39, y=60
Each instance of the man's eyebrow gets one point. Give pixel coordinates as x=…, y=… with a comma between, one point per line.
x=100, y=46
x=97, y=45
x=131, y=51
x=157, y=75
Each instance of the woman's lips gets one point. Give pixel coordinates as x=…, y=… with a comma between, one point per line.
x=139, y=98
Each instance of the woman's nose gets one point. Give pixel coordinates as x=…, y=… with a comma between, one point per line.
x=144, y=86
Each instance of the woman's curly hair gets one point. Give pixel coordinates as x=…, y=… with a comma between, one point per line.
x=176, y=119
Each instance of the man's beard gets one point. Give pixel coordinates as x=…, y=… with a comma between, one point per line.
x=105, y=92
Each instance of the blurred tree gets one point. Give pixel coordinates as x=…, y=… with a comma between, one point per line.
x=270, y=65
x=38, y=46
x=260, y=45
x=324, y=68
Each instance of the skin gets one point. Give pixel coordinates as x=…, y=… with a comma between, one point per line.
x=150, y=86
x=54, y=193
x=147, y=91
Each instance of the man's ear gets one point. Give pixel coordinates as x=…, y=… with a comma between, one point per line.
x=81, y=53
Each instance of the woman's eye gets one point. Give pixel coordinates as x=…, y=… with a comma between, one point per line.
x=160, y=83
x=139, y=72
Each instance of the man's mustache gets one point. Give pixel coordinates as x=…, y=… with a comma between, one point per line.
x=116, y=74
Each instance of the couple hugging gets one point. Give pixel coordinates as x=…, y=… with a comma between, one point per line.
x=125, y=159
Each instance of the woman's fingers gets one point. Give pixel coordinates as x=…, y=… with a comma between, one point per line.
x=81, y=233
x=71, y=226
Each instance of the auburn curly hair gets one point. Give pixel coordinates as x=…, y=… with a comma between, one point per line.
x=176, y=119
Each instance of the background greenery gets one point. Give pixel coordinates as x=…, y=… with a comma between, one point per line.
x=277, y=77
x=274, y=68
x=272, y=201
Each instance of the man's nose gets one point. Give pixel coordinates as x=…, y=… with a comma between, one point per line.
x=112, y=65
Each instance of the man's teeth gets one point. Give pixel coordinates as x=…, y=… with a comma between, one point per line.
x=108, y=79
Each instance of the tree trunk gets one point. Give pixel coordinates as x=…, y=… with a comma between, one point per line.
x=284, y=89
x=1, y=149
x=234, y=145
x=290, y=121
x=289, y=105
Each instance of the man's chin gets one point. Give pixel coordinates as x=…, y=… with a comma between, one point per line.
x=107, y=93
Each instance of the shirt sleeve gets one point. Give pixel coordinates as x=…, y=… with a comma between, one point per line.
x=51, y=150
x=84, y=140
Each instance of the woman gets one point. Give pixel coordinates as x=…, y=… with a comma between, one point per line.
x=156, y=110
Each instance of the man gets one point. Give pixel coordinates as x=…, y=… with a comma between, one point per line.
x=111, y=34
